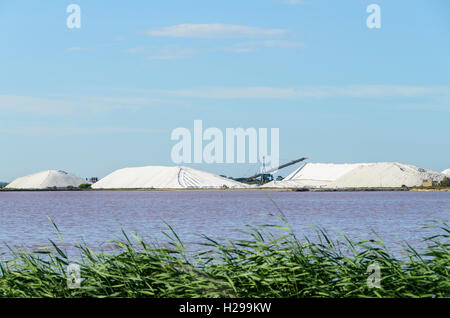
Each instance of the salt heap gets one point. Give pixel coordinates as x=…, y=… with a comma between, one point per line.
x=359, y=175
x=46, y=179
x=446, y=172
x=160, y=177
x=386, y=175
x=314, y=175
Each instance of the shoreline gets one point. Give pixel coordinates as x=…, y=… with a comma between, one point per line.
x=414, y=189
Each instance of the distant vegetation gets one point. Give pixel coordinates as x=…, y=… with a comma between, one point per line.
x=445, y=182
x=263, y=265
x=3, y=184
x=83, y=186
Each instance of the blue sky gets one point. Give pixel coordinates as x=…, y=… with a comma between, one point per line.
x=108, y=95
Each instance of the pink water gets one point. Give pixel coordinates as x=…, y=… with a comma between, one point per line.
x=96, y=217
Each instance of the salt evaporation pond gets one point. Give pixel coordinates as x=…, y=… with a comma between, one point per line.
x=98, y=216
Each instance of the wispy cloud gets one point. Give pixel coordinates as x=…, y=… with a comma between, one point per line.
x=75, y=48
x=134, y=50
x=253, y=46
x=169, y=52
x=68, y=104
x=293, y=2
x=368, y=91
x=214, y=31
x=35, y=104
x=70, y=131
x=136, y=100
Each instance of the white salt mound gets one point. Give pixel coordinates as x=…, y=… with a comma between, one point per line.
x=314, y=175
x=46, y=179
x=446, y=172
x=160, y=177
x=359, y=175
x=385, y=175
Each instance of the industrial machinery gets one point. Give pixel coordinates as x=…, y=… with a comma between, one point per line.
x=266, y=176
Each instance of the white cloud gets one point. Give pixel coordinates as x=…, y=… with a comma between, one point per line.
x=214, y=31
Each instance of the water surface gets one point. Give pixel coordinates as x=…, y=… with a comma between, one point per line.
x=98, y=216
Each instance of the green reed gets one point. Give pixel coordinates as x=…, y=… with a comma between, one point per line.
x=262, y=265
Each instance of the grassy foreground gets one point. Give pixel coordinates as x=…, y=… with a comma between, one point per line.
x=261, y=266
